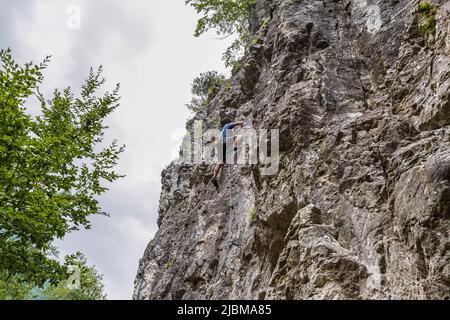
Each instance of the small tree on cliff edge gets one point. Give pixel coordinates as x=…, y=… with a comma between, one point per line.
x=227, y=17
x=52, y=167
x=204, y=88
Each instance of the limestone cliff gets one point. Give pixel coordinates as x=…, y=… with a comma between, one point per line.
x=360, y=207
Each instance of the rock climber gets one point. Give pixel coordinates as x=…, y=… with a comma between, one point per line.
x=224, y=140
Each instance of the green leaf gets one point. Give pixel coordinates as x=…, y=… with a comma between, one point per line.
x=52, y=167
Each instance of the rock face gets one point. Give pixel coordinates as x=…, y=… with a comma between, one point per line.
x=360, y=206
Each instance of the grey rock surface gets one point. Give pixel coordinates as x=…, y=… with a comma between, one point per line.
x=360, y=207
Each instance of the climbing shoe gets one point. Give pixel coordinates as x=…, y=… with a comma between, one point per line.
x=215, y=183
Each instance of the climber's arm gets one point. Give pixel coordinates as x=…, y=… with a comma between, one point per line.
x=236, y=140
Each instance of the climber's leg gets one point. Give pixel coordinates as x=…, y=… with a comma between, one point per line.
x=235, y=147
x=216, y=170
x=218, y=167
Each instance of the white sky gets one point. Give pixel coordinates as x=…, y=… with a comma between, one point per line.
x=147, y=46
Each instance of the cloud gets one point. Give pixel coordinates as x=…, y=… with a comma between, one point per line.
x=8, y=15
x=115, y=244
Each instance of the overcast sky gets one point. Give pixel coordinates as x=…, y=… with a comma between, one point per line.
x=147, y=46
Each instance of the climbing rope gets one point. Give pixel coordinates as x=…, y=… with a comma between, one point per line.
x=231, y=205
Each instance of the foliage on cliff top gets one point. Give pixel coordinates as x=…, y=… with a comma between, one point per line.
x=226, y=17
x=204, y=88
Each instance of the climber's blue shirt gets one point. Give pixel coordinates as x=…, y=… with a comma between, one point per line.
x=223, y=134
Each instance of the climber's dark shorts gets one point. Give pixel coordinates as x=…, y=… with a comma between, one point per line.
x=223, y=156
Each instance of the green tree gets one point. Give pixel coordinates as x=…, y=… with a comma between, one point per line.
x=204, y=88
x=226, y=17
x=52, y=166
x=90, y=285
x=13, y=287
